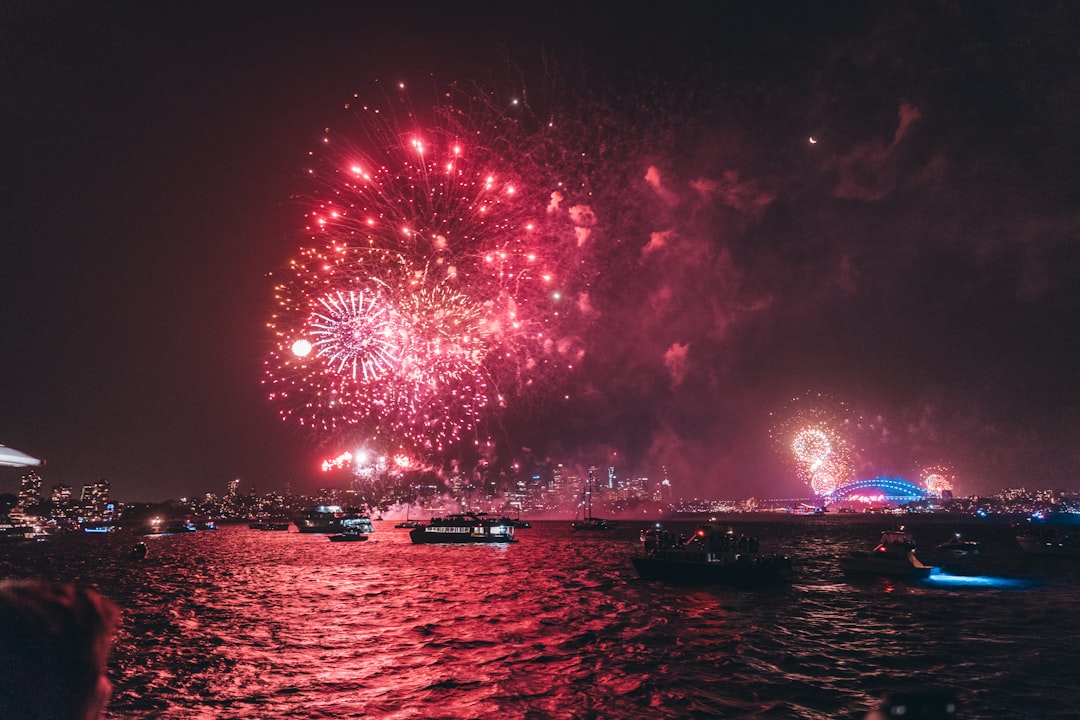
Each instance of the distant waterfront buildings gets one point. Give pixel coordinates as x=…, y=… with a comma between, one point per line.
x=95, y=499
x=30, y=490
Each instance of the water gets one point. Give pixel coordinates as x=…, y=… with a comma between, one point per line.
x=238, y=623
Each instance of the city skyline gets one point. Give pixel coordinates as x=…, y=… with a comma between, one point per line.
x=849, y=220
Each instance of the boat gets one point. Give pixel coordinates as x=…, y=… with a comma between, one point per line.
x=95, y=527
x=712, y=556
x=269, y=523
x=153, y=526
x=329, y=519
x=407, y=523
x=351, y=535
x=1052, y=540
x=894, y=556
x=590, y=523
x=180, y=526
x=12, y=530
x=464, y=528
x=959, y=546
x=138, y=551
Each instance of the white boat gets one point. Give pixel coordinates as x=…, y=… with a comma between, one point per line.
x=463, y=528
x=894, y=556
x=329, y=519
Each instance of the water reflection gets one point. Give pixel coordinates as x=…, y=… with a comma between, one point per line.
x=240, y=623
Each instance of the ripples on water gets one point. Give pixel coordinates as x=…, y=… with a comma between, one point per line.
x=245, y=624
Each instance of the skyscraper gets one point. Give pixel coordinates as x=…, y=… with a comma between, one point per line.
x=30, y=490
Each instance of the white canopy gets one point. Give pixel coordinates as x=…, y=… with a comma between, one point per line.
x=10, y=457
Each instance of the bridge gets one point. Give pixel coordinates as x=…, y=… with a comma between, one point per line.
x=881, y=489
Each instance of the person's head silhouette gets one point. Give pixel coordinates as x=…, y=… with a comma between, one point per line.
x=54, y=644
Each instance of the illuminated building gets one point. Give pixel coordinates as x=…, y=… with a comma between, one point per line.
x=61, y=495
x=30, y=490
x=95, y=498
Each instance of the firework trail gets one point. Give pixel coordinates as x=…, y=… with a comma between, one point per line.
x=434, y=285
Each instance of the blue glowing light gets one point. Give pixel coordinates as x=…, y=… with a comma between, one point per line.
x=977, y=581
x=887, y=488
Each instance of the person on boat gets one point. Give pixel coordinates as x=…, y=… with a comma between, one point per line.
x=54, y=644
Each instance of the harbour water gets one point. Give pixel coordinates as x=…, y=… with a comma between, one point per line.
x=237, y=623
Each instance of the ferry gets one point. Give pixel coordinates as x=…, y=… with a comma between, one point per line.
x=711, y=557
x=894, y=556
x=333, y=519
x=12, y=530
x=464, y=528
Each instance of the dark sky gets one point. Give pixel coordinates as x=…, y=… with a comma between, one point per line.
x=915, y=265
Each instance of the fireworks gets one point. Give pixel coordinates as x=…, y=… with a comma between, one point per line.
x=430, y=289
x=822, y=458
x=831, y=446
x=937, y=479
x=812, y=434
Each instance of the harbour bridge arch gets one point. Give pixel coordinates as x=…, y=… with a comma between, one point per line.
x=881, y=489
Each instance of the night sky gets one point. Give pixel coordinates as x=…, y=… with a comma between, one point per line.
x=867, y=211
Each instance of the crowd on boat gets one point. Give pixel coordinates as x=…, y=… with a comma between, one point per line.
x=705, y=539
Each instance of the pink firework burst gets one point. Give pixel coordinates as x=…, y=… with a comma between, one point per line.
x=433, y=275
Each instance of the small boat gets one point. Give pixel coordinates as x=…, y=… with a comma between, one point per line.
x=959, y=546
x=268, y=523
x=180, y=526
x=138, y=552
x=1053, y=540
x=464, y=528
x=349, y=536
x=894, y=556
x=407, y=523
x=590, y=523
x=710, y=557
x=97, y=527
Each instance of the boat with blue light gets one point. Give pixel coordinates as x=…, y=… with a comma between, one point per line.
x=712, y=556
x=94, y=527
x=894, y=556
x=459, y=528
